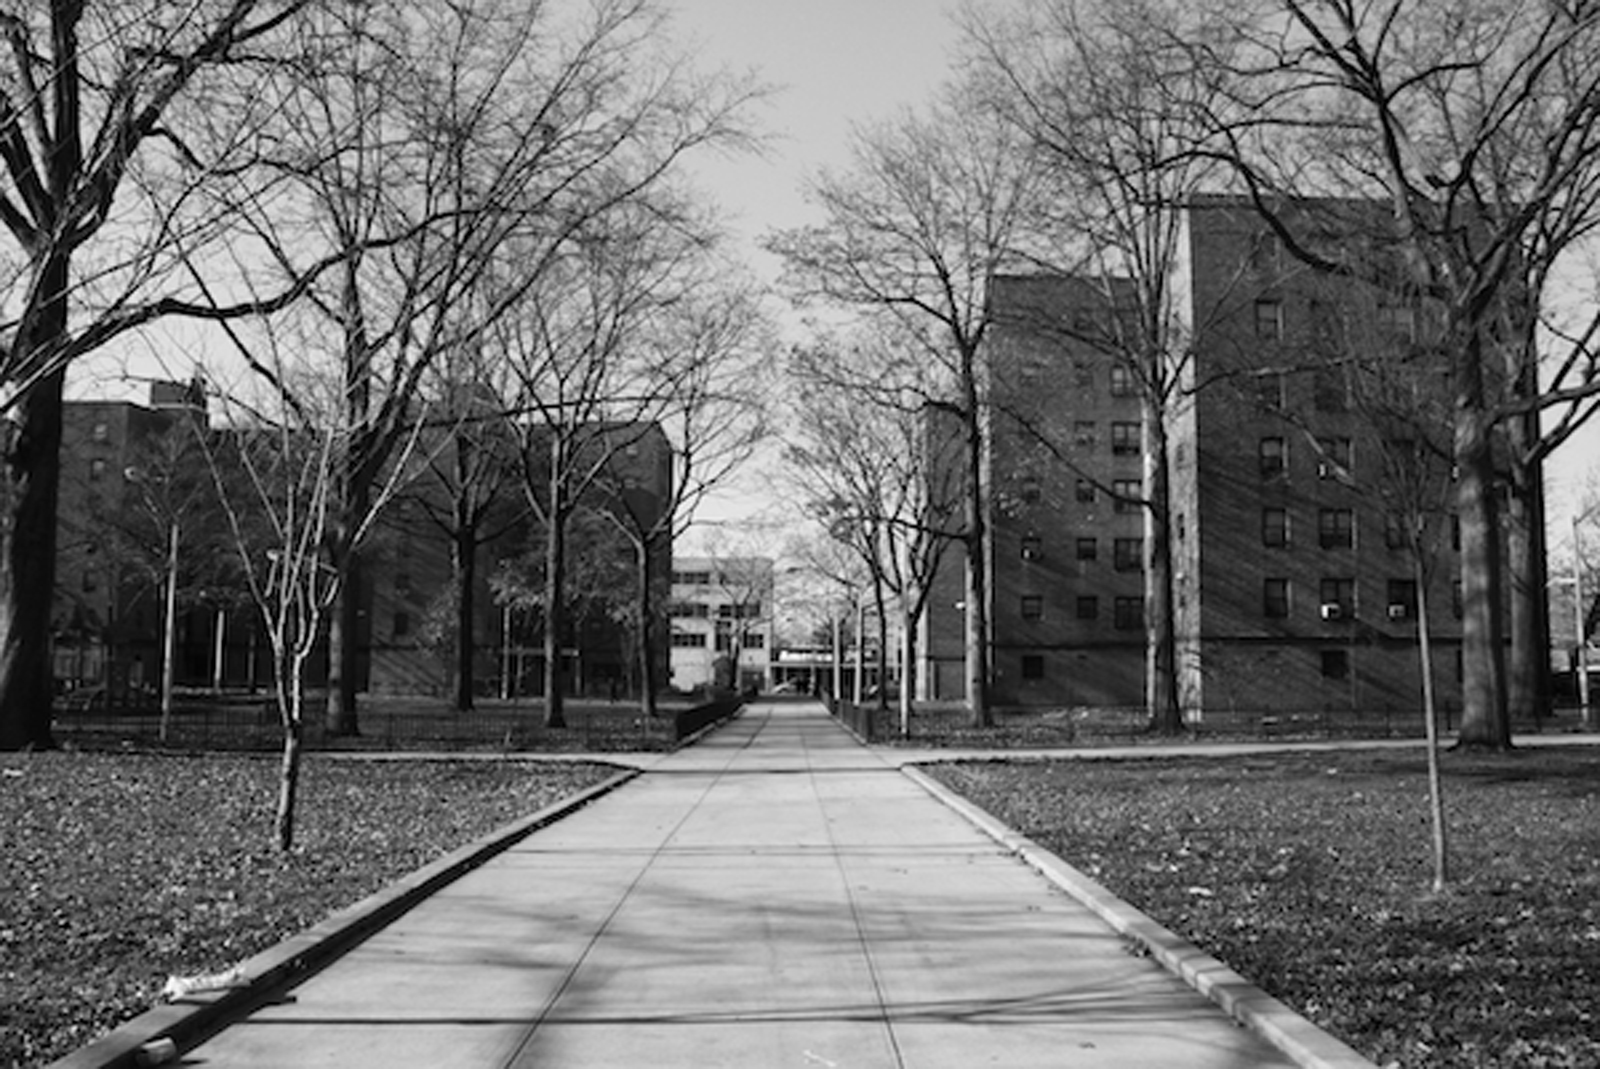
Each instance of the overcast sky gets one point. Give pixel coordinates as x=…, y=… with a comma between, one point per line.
x=831, y=63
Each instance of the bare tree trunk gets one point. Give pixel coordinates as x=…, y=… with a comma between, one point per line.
x=1161, y=676
x=908, y=670
x=28, y=579
x=646, y=631
x=1484, y=723
x=1528, y=674
x=464, y=562
x=1441, y=846
x=977, y=545
x=555, y=561
x=343, y=648
x=291, y=702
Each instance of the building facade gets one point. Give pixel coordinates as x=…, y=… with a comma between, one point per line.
x=1294, y=590
x=128, y=469
x=721, y=614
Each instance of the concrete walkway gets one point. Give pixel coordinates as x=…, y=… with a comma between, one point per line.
x=776, y=895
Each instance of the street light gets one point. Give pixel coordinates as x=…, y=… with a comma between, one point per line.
x=169, y=633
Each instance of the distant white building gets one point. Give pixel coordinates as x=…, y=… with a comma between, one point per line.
x=721, y=614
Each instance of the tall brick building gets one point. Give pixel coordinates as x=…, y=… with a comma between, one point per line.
x=1293, y=592
x=108, y=616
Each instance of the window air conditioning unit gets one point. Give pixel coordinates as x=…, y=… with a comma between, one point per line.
x=1332, y=610
x=1398, y=612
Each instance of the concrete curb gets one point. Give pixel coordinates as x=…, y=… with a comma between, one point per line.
x=159, y=1034
x=1258, y=1011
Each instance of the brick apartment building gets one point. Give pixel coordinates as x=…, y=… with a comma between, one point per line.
x=1292, y=593
x=108, y=615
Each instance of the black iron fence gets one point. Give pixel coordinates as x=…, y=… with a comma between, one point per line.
x=252, y=722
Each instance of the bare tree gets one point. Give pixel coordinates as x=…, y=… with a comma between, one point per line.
x=128, y=133
x=275, y=466
x=714, y=418
x=1109, y=99
x=464, y=129
x=880, y=487
x=927, y=213
x=468, y=492
x=587, y=383
x=1459, y=149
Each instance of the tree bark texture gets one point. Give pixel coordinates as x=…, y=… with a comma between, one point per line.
x=1484, y=721
x=34, y=470
x=1161, y=660
x=464, y=562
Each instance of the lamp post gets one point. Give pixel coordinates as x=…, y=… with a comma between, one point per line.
x=1578, y=618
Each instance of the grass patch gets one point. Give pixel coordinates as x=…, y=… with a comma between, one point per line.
x=123, y=869
x=1308, y=873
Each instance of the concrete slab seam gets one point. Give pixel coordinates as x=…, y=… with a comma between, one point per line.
x=1298, y=1038
x=190, y=1021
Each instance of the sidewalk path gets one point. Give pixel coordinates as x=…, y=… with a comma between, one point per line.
x=774, y=896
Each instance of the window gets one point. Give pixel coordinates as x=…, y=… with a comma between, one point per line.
x=402, y=584
x=1264, y=253
x=1269, y=320
x=1122, y=384
x=1030, y=547
x=1335, y=462
x=1269, y=390
x=754, y=640
x=402, y=624
x=1128, y=614
x=1032, y=607
x=1335, y=664
x=1083, y=374
x=1083, y=434
x=1402, y=599
x=1029, y=488
x=1324, y=327
x=97, y=470
x=91, y=580
x=1330, y=392
x=1336, y=597
x=1087, y=549
x=1274, y=457
x=1336, y=528
x=691, y=578
x=1455, y=532
x=1274, y=527
x=1127, y=554
x=1032, y=666
x=684, y=640
x=1275, y=598
x=1126, y=493
x=1125, y=439
x=101, y=432
x=1397, y=324
x=1083, y=493
x=1088, y=607
x=1456, y=599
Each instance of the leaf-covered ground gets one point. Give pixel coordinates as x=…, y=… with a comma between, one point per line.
x=120, y=869
x=1310, y=873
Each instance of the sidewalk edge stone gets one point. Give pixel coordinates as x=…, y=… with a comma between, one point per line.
x=1270, y=1018
x=189, y=1021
